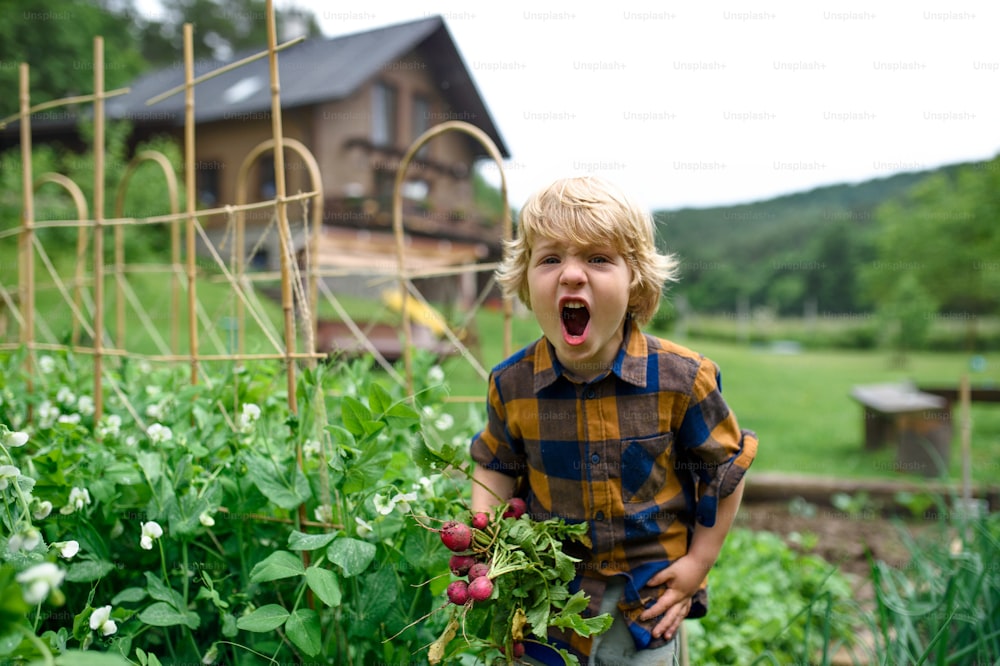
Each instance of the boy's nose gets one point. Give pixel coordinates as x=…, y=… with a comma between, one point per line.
x=573, y=272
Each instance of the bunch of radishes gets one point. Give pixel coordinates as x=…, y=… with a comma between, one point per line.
x=514, y=570
x=471, y=545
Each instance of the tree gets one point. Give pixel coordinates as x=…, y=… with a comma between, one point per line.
x=56, y=38
x=945, y=234
x=221, y=28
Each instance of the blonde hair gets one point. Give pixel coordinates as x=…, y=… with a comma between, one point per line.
x=588, y=210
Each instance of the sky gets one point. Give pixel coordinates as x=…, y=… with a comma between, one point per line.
x=713, y=103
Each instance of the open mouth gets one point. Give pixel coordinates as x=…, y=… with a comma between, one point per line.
x=575, y=318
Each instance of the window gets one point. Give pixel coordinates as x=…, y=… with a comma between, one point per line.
x=207, y=182
x=384, y=115
x=268, y=188
x=421, y=122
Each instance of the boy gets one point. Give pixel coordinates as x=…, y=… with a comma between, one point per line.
x=600, y=422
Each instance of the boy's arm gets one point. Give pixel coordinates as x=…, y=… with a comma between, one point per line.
x=685, y=575
x=490, y=488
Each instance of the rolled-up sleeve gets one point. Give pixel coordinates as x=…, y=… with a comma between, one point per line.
x=494, y=447
x=711, y=437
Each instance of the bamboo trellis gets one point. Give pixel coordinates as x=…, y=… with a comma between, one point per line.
x=88, y=307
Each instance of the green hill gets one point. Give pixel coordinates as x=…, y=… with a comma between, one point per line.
x=790, y=252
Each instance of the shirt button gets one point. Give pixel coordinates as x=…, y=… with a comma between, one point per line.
x=595, y=458
x=599, y=515
x=591, y=393
x=604, y=564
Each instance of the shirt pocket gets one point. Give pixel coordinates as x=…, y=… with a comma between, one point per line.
x=646, y=462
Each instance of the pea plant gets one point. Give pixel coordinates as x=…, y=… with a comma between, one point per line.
x=207, y=523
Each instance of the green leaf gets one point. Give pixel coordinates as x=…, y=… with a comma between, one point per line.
x=585, y=626
x=88, y=658
x=401, y=415
x=303, y=630
x=162, y=614
x=87, y=571
x=352, y=555
x=324, y=584
x=157, y=590
x=279, y=564
x=151, y=464
x=301, y=541
x=268, y=479
x=265, y=618
x=354, y=415
x=379, y=399
x=129, y=595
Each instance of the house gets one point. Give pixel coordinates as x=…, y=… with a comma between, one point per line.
x=356, y=102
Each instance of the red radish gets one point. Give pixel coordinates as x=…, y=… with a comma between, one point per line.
x=478, y=570
x=458, y=592
x=480, y=521
x=518, y=650
x=515, y=508
x=456, y=536
x=459, y=564
x=481, y=588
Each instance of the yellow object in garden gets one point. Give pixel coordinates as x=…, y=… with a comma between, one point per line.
x=416, y=311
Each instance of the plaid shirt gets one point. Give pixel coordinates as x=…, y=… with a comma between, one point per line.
x=640, y=453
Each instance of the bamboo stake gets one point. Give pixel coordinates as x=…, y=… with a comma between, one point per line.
x=98, y=226
x=965, y=397
x=284, y=235
x=189, y=195
x=25, y=241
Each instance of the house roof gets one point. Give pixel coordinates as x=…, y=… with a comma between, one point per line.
x=314, y=71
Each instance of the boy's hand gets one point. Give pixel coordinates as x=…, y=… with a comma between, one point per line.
x=682, y=578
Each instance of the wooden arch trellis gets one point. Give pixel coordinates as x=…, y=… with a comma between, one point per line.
x=89, y=314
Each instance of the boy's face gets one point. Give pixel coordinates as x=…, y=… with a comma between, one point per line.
x=580, y=296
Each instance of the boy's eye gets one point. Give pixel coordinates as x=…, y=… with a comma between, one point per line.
x=550, y=260
x=599, y=260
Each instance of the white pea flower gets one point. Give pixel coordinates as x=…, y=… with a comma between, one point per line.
x=150, y=531
x=444, y=422
x=67, y=549
x=41, y=509
x=15, y=439
x=435, y=375
x=8, y=472
x=85, y=405
x=110, y=426
x=46, y=364
x=69, y=418
x=39, y=580
x=159, y=433
x=248, y=416
x=425, y=485
x=206, y=519
x=311, y=448
x=323, y=513
x=403, y=501
x=47, y=414
x=27, y=540
x=78, y=498
x=155, y=410
x=65, y=396
x=131, y=440
x=383, y=505
x=364, y=527
x=152, y=390
x=101, y=622
x=427, y=411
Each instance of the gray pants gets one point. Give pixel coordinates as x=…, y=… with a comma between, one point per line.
x=615, y=647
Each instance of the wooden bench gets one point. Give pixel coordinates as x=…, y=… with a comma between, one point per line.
x=919, y=423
